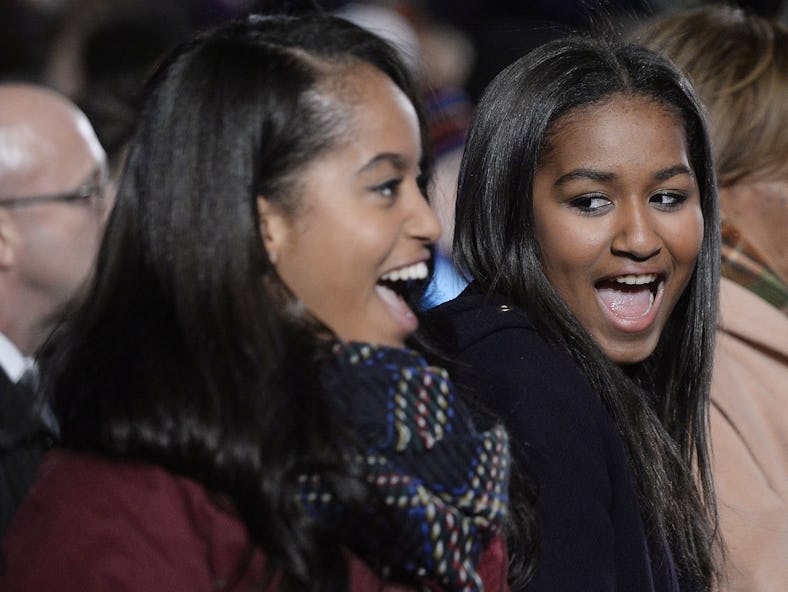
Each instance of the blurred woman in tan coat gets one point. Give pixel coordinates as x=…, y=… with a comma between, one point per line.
x=739, y=65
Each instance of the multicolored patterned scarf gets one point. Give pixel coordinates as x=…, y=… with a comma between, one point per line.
x=440, y=487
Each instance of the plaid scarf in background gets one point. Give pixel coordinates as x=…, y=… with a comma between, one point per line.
x=742, y=264
x=439, y=486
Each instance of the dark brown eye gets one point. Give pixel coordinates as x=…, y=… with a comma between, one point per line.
x=591, y=203
x=667, y=199
x=389, y=188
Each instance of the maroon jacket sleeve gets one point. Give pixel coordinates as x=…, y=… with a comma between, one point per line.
x=91, y=525
x=94, y=525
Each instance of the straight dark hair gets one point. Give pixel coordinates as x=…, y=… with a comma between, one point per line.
x=184, y=354
x=659, y=405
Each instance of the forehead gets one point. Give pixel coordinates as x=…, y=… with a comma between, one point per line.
x=22, y=150
x=45, y=146
x=376, y=118
x=621, y=128
x=371, y=99
x=380, y=136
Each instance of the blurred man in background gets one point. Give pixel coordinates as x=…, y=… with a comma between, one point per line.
x=54, y=200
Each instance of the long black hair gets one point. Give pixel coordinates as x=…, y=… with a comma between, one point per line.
x=184, y=354
x=660, y=404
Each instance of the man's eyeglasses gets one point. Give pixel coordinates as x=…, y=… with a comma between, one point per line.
x=96, y=188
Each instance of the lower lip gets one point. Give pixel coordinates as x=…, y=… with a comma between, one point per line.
x=634, y=324
x=398, y=309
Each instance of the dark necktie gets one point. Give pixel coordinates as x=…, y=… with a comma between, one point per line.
x=41, y=412
x=28, y=383
x=16, y=418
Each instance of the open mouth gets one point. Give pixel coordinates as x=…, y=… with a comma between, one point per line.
x=629, y=296
x=399, y=281
x=394, y=289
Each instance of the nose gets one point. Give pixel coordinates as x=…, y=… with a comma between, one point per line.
x=423, y=223
x=635, y=236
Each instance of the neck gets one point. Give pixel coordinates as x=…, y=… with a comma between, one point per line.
x=22, y=324
x=28, y=342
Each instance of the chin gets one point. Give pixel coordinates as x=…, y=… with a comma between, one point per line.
x=625, y=353
x=625, y=356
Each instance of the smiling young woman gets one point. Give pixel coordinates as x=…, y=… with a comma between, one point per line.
x=587, y=221
x=366, y=228
x=237, y=403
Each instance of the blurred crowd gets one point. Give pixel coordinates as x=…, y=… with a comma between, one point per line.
x=98, y=54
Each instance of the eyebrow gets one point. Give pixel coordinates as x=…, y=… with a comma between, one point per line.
x=673, y=171
x=601, y=176
x=590, y=174
x=394, y=159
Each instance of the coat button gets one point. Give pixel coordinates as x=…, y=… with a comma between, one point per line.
x=504, y=308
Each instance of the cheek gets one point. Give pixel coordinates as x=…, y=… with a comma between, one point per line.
x=566, y=247
x=83, y=235
x=92, y=227
x=82, y=238
x=686, y=237
x=324, y=267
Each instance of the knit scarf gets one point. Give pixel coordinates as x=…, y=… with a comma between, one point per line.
x=440, y=487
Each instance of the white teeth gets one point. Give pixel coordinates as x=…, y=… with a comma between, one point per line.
x=636, y=280
x=650, y=304
x=418, y=271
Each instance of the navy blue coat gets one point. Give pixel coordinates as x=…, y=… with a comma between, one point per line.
x=592, y=534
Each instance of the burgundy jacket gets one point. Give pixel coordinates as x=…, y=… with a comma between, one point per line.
x=91, y=524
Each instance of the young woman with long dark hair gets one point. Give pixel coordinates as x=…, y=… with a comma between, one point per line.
x=240, y=404
x=587, y=220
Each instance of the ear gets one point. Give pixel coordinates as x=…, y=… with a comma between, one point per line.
x=274, y=227
x=8, y=240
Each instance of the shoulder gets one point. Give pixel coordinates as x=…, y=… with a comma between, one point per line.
x=749, y=399
x=99, y=524
x=100, y=483
x=473, y=315
x=746, y=316
x=539, y=392
x=499, y=351
x=587, y=511
x=495, y=332
x=749, y=416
